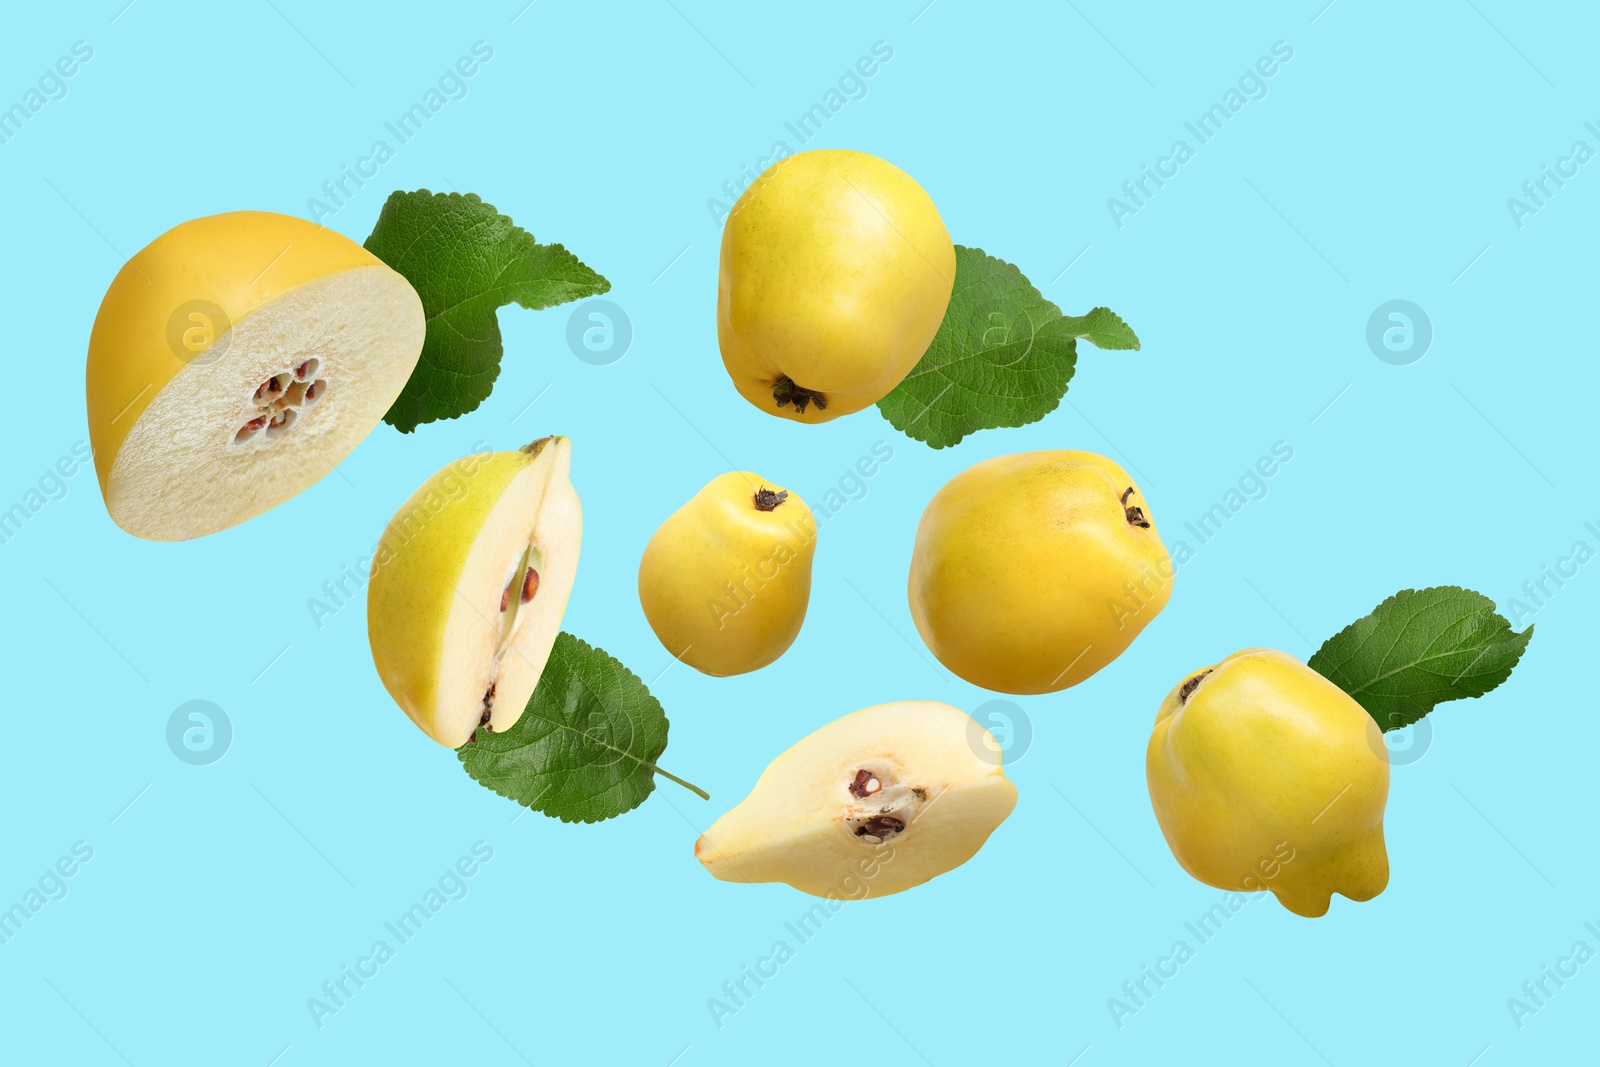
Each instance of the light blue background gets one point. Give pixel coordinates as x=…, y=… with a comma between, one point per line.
x=1377, y=167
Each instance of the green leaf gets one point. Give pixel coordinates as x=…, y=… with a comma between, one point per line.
x=1002, y=357
x=1104, y=328
x=585, y=749
x=1419, y=648
x=466, y=261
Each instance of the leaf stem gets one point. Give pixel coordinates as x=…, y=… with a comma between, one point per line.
x=691, y=787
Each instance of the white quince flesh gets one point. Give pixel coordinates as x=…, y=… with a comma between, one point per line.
x=886, y=798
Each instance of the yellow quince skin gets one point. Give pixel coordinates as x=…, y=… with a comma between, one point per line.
x=726, y=580
x=835, y=273
x=1033, y=571
x=1264, y=774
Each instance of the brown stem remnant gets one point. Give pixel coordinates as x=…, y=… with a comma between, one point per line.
x=769, y=499
x=533, y=448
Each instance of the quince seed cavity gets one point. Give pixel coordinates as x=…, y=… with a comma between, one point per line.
x=874, y=830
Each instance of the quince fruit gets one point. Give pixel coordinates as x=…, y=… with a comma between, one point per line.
x=469, y=583
x=1033, y=571
x=836, y=270
x=726, y=580
x=1264, y=774
x=236, y=360
x=871, y=804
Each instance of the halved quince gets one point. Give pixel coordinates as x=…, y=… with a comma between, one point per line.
x=235, y=361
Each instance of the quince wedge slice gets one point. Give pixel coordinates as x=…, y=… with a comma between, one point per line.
x=874, y=803
x=469, y=584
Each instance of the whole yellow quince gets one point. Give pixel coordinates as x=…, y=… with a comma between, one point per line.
x=1265, y=775
x=835, y=273
x=726, y=580
x=1033, y=571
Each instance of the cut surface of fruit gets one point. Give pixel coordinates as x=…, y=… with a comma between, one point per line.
x=469, y=584
x=874, y=803
x=726, y=580
x=234, y=361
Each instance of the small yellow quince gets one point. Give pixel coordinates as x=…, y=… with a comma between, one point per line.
x=1264, y=774
x=726, y=580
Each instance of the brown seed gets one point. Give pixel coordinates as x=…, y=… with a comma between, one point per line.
x=311, y=391
x=300, y=371
x=530, y=584
x=254, y=424
x=865, y=784
x=879, y=827
x=505, y=599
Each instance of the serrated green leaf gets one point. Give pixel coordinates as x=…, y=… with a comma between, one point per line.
x=585, y=749
x=466, y=261
x=1003, y=356
x=1418, y=649
x=1104, y=328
